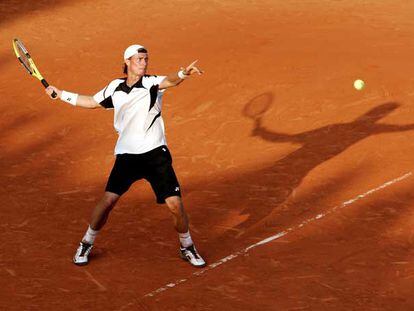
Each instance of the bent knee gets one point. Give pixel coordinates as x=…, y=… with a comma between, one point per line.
x=109, y=200
x=175, y=205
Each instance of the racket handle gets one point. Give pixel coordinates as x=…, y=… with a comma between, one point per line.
x=45, y=84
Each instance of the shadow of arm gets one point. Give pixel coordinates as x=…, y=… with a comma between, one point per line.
x=263, y=133
x=395, y=128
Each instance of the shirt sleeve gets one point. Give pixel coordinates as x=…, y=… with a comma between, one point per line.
x=104, y=96
x=158, y=79
x=152, y=80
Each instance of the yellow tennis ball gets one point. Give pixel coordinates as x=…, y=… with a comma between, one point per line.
x=359, y=84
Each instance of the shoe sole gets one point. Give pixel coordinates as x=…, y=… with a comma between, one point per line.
x=80, y=263
x=185, y=259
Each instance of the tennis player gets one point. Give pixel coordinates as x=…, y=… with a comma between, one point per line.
x=141, y=150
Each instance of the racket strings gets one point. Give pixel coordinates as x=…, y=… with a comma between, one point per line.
x=23, y=57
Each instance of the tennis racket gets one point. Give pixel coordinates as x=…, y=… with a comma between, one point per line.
x=28, y=63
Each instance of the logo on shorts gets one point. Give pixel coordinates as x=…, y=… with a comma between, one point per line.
x=177, y=189
x=163, y=149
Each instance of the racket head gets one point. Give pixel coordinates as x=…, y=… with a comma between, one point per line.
x=258, y=105
x=25, y=59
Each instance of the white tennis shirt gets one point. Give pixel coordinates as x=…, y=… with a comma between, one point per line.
x=137, y=113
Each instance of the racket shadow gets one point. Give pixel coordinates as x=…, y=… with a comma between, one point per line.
x=257, y=107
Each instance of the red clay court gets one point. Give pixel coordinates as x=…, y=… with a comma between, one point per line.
x=308, y=206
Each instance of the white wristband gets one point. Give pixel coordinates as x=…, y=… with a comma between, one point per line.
x=182, y=75
x=69, y=97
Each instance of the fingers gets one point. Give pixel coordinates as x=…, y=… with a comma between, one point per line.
x=197, y=70
x=192, y=64
x=49, y=91
x=193, y=69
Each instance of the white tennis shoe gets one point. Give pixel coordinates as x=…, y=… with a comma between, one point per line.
x=82, y=253
x=191, y=255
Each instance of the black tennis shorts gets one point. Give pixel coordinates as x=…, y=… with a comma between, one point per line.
x=155, y=166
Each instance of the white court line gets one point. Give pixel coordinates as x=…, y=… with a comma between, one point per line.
x=279, y=234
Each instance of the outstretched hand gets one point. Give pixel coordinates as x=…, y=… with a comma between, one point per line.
x=191, y=69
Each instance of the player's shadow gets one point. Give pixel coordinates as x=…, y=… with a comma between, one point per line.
x=317, y=146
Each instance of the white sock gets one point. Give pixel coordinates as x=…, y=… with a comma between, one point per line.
x=185, y=239
x=90, y=235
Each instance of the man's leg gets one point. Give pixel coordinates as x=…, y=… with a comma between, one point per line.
x=99, y=217
x=103, y=208
x=187, y=248
x=175, y=205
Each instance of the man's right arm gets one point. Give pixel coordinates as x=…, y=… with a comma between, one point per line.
x=83, y=101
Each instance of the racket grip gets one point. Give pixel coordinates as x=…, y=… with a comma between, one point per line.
x=45, y=84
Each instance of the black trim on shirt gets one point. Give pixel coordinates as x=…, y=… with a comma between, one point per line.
x=107, y=103
x=155, y=118
x=123, y=87
x=153, y=93
x=106, y=88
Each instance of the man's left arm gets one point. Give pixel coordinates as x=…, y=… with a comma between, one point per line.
x=176, y=78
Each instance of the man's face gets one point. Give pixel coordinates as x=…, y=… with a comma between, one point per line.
x=138, y=63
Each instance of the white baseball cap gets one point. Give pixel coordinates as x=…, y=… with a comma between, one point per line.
x=132, y=50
